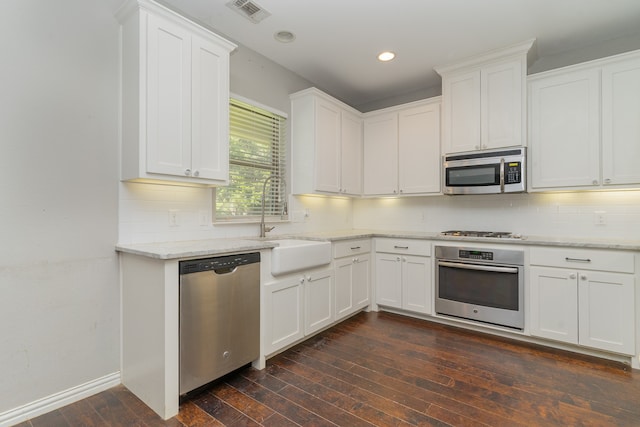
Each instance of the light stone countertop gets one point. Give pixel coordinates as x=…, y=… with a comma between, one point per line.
x=223, y=246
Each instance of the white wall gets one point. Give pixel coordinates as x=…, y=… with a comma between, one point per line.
x=144, y=208
x=548, y=214
x=59, y=286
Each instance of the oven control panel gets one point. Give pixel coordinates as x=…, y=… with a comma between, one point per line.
x=481, y=255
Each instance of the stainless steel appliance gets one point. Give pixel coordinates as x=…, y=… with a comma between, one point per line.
x=481, y=284
x=219, y=317
x=485, y=172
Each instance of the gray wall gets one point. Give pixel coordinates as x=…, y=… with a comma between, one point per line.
x=59, y=286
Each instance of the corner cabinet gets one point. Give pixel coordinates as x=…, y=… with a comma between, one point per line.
x=175, y=100
x=484, y=100
x=326, y=145
x=404, y=274
x=584, y=127
x=402, y=150
x=584, y=297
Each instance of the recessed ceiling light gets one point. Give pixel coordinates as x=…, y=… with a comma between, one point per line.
x=386, y=56
x=284, y=36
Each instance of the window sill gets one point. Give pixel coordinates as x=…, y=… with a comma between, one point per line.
x=250, y=221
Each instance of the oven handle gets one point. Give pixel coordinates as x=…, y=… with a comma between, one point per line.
x=513, y=270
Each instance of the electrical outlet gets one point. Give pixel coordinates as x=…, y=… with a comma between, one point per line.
x=173, y=218
x=599, y=218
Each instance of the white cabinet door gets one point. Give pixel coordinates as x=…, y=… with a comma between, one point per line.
x=327, y=146
x=461, y=112
x=351, y=154
x=565, y=130
x=416, y=283
x=381, y=154
x=168, y=103
x=351, y=285
x=361, y=281
x=621, y=123
x=344, y=287
x=284, y=314
x=606, y=313
x=554, y=304
x=318, y=296
x=419, y=149
x=501, y=109
x=389, y=280
x=210, y=111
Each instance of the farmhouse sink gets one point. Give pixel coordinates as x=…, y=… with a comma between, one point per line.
x=295, y=255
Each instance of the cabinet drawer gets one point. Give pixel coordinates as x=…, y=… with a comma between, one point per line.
x=583, y=259
x=351, y=247
x=404, y=246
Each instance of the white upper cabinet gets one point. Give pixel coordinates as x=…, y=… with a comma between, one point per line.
x=326, y=145
x=621, y=122
x=175, y=100
x=484, y=99
x=565, y=130
x=402, y=149
x=584, y=131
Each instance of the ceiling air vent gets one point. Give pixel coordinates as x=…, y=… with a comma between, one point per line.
x=249, y=9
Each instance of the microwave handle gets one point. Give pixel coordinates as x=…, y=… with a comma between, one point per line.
x=502, y=175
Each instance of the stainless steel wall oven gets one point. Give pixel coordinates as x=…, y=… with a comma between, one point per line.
x=481, y=284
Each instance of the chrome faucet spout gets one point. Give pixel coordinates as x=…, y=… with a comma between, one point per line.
x=263, y=228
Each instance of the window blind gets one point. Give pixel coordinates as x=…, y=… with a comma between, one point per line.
x=257, y=145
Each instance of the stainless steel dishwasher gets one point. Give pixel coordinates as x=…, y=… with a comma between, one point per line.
x=219, y=317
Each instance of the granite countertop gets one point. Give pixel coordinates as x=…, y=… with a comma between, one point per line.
x=196, y=248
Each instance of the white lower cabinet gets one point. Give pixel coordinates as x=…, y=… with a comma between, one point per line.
x=352, y=281
x=318, y=301
x=404, y=274
x=297, y=306
x=571, y=300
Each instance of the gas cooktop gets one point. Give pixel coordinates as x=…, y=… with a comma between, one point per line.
x=494, y=234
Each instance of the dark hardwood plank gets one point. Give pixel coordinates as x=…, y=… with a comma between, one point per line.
x=383, y=369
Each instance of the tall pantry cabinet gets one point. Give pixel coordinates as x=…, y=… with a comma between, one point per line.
x=175, y=98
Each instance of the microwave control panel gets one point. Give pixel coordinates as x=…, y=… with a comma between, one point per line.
x=512, y=173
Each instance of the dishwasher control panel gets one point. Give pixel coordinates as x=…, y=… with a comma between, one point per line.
x=218, y=263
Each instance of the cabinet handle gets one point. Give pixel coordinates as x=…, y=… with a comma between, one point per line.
x=577, y=259
x=187, y=172
x=196, y=173
x=401, y=247
x=355, y=247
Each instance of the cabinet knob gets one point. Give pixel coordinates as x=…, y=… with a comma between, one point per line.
x=596, y=182
x=301, y=280
x=607, y=181
x=187, y=172
x=583, y=277
x=401, y=191
x=395, y=191
x=196, y=173
x=572, y=276
x=398, y=259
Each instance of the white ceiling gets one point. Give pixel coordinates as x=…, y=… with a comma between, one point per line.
x=337, y=41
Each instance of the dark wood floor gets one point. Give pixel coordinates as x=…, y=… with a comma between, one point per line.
x=387, y=370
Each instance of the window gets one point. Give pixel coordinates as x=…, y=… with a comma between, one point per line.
x=256, y=153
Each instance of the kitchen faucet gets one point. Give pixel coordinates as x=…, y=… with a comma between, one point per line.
x=263, y=228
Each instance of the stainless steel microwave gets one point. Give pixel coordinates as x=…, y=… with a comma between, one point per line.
x=485, y=172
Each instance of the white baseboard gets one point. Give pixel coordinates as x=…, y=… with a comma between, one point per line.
x=58, y=400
